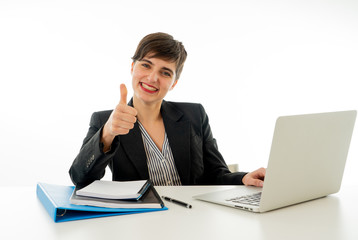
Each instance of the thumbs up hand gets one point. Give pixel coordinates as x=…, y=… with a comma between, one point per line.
x=121, y=120
x=124, y=92
x=123, y=116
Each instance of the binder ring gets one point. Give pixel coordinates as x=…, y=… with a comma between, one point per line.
x=62, y=214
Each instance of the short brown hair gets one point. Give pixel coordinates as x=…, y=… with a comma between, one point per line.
x=163, y=46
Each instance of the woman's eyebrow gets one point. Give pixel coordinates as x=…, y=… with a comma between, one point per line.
x=145, y=60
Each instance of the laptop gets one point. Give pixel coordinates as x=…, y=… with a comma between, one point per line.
x=307, y=160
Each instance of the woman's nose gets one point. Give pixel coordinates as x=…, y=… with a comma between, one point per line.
x=153, y=76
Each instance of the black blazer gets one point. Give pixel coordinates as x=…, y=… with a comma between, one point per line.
x=195, y=151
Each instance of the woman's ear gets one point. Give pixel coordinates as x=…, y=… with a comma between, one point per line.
x=175, y=83
x=132, y=66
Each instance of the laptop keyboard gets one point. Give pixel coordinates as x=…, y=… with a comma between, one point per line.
x=252, y=199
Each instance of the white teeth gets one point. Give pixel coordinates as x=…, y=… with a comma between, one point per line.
x=148, y=87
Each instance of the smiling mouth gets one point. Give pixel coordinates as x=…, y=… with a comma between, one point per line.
x=148, y=88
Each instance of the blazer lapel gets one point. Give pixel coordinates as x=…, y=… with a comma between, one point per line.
x=178, y=132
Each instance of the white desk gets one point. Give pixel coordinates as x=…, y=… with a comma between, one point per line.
x=333, y=217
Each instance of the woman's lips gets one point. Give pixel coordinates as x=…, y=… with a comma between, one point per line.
x=148, y=88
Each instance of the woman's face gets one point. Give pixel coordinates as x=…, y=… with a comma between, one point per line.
x=152, y=78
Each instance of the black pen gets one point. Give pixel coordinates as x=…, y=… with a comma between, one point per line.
x=187, y=205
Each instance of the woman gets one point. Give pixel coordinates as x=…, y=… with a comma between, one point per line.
x=150, y=138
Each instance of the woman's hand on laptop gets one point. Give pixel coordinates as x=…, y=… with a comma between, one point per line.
x=255, y=178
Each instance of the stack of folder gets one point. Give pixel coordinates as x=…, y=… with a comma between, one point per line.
x=57, y=201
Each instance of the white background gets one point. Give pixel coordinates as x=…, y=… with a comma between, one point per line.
x=249, y=62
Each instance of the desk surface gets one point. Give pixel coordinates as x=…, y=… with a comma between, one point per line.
x=332, y=217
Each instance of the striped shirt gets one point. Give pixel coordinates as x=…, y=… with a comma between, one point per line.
x=161, y=166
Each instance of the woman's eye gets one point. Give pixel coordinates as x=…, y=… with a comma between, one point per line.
x=167, y=74
x=145, y=65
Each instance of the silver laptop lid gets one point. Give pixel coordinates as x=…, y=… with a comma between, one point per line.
x=307, y=159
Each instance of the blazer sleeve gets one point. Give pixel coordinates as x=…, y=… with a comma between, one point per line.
x=91, y=162
x=216, y=170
